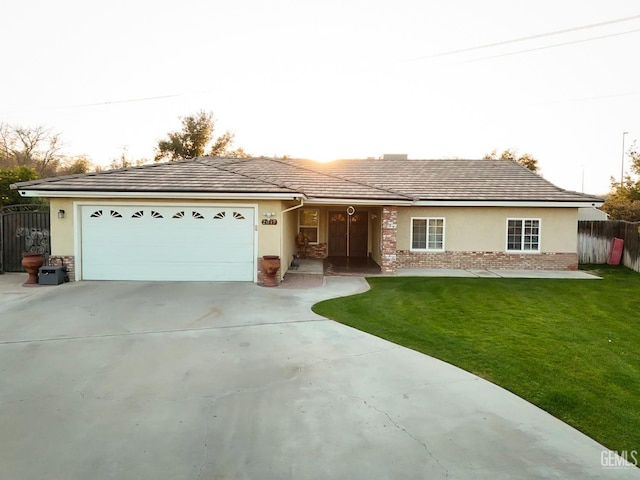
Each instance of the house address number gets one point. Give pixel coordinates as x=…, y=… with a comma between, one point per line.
x=269, y=221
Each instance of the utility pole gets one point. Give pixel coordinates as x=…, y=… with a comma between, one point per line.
x=622, y=167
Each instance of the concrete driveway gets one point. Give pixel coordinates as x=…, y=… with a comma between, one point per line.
x=137, y=380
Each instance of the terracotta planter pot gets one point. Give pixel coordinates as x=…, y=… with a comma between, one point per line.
x=31, y=262
x=270, y=267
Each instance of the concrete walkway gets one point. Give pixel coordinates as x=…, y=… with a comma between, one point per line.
x=442, y=272
x=142, y=380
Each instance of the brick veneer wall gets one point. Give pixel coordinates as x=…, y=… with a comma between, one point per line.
x=488, y=260
x=389, y=239
x=315, y=251
x=68, y=261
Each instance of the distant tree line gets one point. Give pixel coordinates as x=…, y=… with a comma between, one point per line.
x=29, y=153
x=526, y=160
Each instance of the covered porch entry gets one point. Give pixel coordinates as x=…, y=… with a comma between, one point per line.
x=348, y=233
x=333, y=266
x=345, y=238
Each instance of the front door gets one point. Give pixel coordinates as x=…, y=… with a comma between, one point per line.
x=348, y=234
x=358, y=234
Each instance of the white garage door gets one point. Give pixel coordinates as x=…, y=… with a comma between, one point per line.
x=167, y=243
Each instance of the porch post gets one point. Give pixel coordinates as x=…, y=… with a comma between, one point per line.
x=389, y=239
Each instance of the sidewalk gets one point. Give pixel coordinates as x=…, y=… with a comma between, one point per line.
x=309, y=275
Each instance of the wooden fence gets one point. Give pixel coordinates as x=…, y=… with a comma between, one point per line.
x=594, y=241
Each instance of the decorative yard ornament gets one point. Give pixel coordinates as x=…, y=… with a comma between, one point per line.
x=302, y=242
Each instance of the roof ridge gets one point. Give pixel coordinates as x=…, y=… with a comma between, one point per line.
x=340, y=177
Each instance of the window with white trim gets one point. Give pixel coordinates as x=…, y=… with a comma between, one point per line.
x=308, y=221
x=523, y=235
x=427, y=234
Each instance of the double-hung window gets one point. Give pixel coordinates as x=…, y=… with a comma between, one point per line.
x=427, y=234
x=308, y=223
x=523, y=235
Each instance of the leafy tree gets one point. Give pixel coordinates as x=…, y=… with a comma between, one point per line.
x=623, y=201
x=14, y=175
x=123, y=162
x=76, y=166
x=237, y=153
x=618, y=209
x=196, y=139
x=526, y=160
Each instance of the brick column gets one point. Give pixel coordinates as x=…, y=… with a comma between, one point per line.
x=389, y=239
x=68, y=261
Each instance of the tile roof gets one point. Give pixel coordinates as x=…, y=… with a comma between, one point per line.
x=452, y=179
x=310, y=178
x=194, y=176
x=371, y=179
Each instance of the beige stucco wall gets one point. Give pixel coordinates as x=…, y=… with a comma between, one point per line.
x=323, y=233
x=484, y=228
x=466, y=228
x=289, y=231
x=268, y=235
x=63, y=232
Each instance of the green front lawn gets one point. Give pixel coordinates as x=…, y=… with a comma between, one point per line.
x=572, y=347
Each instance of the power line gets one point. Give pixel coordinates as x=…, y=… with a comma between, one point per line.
x=101, y=104
x=554, y=45
x=524, y=39
x=131, y=100
x=593, y=97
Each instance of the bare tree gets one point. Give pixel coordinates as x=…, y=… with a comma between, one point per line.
x=7, y=141
x=34, y=147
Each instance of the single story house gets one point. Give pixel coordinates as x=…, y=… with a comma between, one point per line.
x=212, y=219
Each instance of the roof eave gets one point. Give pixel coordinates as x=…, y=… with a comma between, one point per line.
x=357, y=201
x=160, y=194
x=510, y=203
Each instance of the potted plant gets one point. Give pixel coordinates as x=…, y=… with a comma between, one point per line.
x=31, y=262
x=270, y=267
x=33, y=258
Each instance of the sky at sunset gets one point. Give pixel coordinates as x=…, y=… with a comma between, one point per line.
x=558, y=79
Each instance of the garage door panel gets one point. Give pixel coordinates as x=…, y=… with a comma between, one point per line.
x=177, y=271
x=168, y=243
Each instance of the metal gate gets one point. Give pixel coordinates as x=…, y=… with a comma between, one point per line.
x=23, y=228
